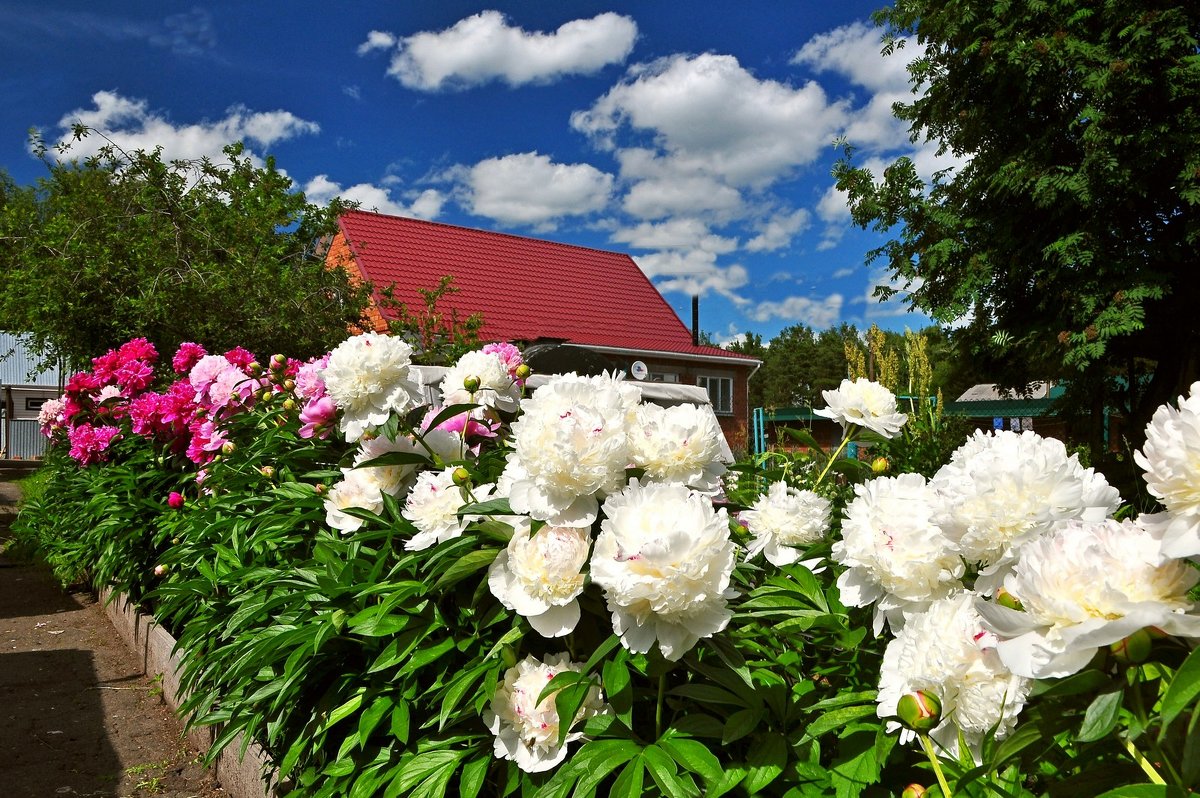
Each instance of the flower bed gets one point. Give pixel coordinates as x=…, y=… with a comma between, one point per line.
x=568, y=594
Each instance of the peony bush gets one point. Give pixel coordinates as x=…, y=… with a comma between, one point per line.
x=403, y=589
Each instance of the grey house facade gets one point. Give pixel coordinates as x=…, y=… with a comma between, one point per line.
x=24, y=386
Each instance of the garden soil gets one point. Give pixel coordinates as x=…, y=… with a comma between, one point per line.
x=77, y=715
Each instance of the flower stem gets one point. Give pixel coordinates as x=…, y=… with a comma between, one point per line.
x=1138, y=757
x=658, y=710
x=927, y=744
x=841, y=446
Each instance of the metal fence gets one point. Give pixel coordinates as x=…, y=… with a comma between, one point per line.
x=21, y=439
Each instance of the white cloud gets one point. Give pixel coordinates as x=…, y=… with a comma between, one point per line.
x=778, y=231
x=484, y=47
x=855, y=50
x=678, y=233
x=844, y=272
x=425, y=205
x=529, y=188
x=816, y=313
x=131, y=125
x=657, y=198
x=694, y=272
x=711, y=116
x=377, y=40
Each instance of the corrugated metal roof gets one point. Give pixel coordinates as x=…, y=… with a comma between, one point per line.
x=1002, y=408
x=989, y=392
x=18, y=362
x=526, y=289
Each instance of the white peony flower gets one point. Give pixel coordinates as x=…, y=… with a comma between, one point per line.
x=1171, y=460
x=369, y=377
x=897, y=556
x=664, y=557
x=784, y=518
x=433, y=506
x=570, y=446
x=946, y=651
x=497, y=387
x=540, y=576
x=357, y=490
x=866, y=404
x=1083, y=586
x=364, y=487
x=679, y=444
x=1001, y=489
x=527, y=731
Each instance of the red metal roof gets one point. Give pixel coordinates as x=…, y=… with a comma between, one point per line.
x=527, y=289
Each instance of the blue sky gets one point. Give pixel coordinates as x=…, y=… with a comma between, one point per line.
x=695, y=136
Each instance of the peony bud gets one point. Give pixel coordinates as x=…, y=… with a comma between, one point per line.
x=289, y=405
x=254, y=368
x=267, y=471
x=1006, y=599
x=471, y=384
x=462, y=476
x=319, y=488
x=228, y=448
x=289, y=384
x=523, y=372
x=266, y=395
x=913, y=791
x=278, y=362
x=920, y=711
x=174, y=541
x=160, y=570
x=880, y=465
x=175, y=500
x=1133, y=649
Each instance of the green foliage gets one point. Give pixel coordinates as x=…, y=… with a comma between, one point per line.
x=1065, y=230
x=438, y=337
x=124, y=245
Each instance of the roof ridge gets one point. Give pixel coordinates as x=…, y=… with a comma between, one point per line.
x=489, y=232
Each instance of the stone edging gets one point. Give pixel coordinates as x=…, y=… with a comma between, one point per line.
x=155, y=648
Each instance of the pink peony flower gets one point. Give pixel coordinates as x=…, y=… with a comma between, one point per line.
x=189, y=355
x=508, y=354
x=240, y=357
x=90, y=444
x=309, y=384
x=317, y=418
x=175, y=500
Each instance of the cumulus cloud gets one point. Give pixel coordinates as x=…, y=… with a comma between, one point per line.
x=679, y=233
x=694, y=272
x=131, y=125
x=423, y=205
x=816, y=313
x=710, y=115
x=778, y=231
x=530, y=189
x=485, y=47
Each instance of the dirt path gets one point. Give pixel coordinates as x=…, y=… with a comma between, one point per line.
x=77, y=717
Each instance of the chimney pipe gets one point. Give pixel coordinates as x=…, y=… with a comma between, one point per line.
x=696, y=320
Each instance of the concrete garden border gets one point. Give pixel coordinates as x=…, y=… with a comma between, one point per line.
x=154, y=646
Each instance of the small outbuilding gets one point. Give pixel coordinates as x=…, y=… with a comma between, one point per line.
x=25, y=384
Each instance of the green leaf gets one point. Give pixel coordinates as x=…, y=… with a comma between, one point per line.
x=449, y=412
x=837, y=718
x=345, y=710
x=1145, y=791
x=765, y=760
x=489, y=507
x=1075, y=684
x=664, y=772
x=400, y=721
x=740, y=724
x=396, y=459
x=470, y=780
x=465, y=566
x=694, y=756
x=629, y=782
x=618, y=689
x=372, y=715
x=805, y=437
x=1101, y=716
x=1185, y=686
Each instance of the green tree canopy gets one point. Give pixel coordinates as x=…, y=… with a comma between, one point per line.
x=1068, y=235
x=122, y=245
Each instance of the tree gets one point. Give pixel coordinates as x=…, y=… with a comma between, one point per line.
x=1067, y=235
x=123, y=245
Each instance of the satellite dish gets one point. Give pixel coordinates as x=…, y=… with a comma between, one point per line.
x=639, y=370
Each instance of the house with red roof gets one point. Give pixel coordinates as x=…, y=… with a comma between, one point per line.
x=531, y=291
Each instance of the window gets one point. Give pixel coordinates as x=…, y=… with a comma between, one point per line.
x=720, y=393
x=664, y=376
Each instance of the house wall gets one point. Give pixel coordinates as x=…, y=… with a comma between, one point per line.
x=339, y=256
x=735, y=424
